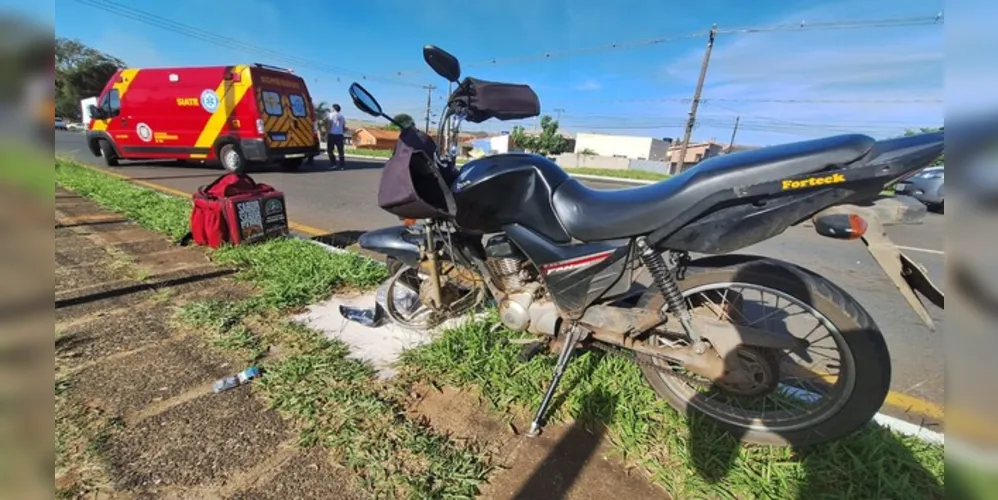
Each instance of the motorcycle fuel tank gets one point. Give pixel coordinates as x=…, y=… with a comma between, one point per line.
x=513, y=188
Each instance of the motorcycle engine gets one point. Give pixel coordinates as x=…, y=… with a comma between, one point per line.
x=523, y=305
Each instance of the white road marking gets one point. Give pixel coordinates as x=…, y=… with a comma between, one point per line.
x=926, y=250
x=908, y=428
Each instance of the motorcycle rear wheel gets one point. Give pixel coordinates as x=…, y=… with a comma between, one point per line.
x=859, y=389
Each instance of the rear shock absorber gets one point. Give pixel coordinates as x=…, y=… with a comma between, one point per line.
x=665, y=280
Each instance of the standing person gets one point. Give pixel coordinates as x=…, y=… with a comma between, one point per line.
x=337, y=126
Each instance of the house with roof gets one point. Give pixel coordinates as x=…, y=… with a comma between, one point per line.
x=375, y=138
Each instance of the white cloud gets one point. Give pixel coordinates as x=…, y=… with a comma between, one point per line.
x=589, y=85
x=887, y=64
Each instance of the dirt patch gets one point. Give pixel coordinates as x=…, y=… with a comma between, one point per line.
x=145, y=247
x=72, y=255
x=94, y=303
x=62, y=233
x=462, y=416
x=566, y=461
x=70, y=279
x=305, y=477
x=127, y=385
x=173, y=259
x=105, y=335
x=200, y=443
x=112, y=227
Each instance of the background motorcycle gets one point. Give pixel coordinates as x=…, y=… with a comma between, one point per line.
x=563, y=262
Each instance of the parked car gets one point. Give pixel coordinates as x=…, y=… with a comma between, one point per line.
x=925, y=186
x=60, y=123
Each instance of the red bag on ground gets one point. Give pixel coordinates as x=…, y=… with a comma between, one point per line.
x=236, y=209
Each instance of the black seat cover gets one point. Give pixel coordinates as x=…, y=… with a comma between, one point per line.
x=594, y=215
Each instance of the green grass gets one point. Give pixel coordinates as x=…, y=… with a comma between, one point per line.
x=338, y=404
x=620, y=174
x=153, y=210
x=293, y=272
x=604, y=172
x=969, y=479
x=689, y=458
x=335, y=401
x=376, y=153
x=27, y=168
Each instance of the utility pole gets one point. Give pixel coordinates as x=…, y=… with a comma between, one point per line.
x=558, y=112
x=429, y=104
x=731, y=144
x=696, y=100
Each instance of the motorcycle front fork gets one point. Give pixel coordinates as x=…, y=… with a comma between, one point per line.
x=431, y=255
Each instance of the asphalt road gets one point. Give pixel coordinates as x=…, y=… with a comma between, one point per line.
x=345, y=202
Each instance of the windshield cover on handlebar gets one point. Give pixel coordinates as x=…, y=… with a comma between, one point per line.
x=483, y=100
x=418, y=140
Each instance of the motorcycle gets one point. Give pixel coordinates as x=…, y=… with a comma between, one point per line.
x=565, y=263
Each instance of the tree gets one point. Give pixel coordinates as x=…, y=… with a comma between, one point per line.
x=549, y=142
x=404, y=119
x=926, y=130
x=80, y=72
x=322, y=116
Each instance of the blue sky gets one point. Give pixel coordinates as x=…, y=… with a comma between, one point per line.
x=335, y=43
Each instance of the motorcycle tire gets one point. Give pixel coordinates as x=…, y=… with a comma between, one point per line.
x=870, y=358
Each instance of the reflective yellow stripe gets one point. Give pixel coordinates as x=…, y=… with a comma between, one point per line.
x=125, y=79
x=230, y=94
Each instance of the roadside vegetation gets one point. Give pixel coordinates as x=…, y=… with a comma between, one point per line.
x=336, y=402
x=603, y=172
x=640, y=175
x=339, y=404
x=690, y=458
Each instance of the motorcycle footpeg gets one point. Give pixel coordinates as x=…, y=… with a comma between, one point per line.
x=528, y=351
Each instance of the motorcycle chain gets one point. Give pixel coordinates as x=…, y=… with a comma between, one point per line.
x=621, y=353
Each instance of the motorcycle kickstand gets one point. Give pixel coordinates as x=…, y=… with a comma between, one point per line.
x=559, y=370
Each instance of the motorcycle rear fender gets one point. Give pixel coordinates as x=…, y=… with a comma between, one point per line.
x=908, y=276
x=396, y=242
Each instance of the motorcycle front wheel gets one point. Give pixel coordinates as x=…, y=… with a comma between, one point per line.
x=802, y=397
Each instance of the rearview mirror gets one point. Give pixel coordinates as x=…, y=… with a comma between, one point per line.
x=95, y=112
x=364, y=100
x=442, y=63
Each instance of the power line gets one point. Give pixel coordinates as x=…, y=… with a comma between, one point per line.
x=642, y=119
x=227, y=42
x=840, y=25
x=708, y=100
x=803, y=26
x=832, y=101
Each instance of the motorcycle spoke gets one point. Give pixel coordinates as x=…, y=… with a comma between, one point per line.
x=807, y=383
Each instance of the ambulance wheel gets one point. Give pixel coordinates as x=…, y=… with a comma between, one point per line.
x=107, y=152
x=292, y=163
x=232, y=158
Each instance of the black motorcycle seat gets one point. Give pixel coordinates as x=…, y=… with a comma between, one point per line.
x=596, y=214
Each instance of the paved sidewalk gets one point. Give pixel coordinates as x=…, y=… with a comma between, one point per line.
x=135, y=413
